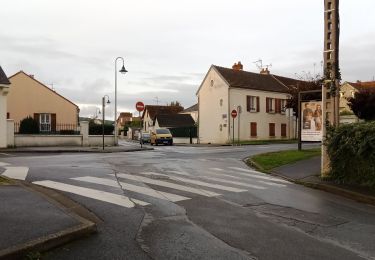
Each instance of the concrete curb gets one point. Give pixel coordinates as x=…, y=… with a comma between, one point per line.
x=319, y=186
x=86, y=227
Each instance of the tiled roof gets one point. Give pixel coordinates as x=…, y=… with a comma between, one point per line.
x=251, y=80
x=363, y=85
x=154, y=110
x=191, y=109
x=3, y=78
x=175, y=120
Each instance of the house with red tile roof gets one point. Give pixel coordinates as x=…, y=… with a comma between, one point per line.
x=258, y=98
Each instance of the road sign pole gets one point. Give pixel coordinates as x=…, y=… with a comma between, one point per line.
x=233, y=131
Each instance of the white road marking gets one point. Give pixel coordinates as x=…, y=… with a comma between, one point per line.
x=249, y=177
x=235, y=183
x=200, y=183
x=257, y=175
x=7, y=154
x=92, y=193
x=19, y=173
x=4, y=164
x=217, y=169
x=134, y=188
x=168, y=185
x=272, y=184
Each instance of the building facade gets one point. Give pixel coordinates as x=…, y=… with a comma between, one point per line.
x=258, y=98
x=4, y=90
x=29, y=97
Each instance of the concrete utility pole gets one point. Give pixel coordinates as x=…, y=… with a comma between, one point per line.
x=331, y=86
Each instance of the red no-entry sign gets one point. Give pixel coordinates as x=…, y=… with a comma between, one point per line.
x=234, y=113
x=140, y=106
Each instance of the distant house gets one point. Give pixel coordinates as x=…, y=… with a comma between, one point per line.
x=123, y=118
x=259, y=98
x=193, y=111
x=148, y=115
x=347, y=91
x=4, y=90
x=30, y=97
x=173, y=121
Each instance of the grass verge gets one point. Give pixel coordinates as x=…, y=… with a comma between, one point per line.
x=3, y=181
x=267, y=161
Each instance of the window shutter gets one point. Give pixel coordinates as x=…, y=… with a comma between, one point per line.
x=258, y=104
x=283, y=130
x=248, y=103
x=277, y=105
x=53, y=122
x=36, y=117
x=272, y=129
x=253, y=129
x=267, y=105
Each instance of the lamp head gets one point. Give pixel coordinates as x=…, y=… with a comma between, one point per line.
x=108, y=102
x=123, y=70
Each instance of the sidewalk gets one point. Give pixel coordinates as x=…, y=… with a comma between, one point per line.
x=74, y=149
x=307, y=173
x=31, y=222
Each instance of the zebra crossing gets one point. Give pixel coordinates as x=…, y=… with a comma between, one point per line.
x=181, y=185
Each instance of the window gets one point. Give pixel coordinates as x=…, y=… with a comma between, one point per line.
x=8, y=115
x=221, y=102
x=221, y=127
x=283, y=130
x=283, y=106
x=45, y=122
x=272, y=129
x=270, y=107
x=253, y=129
x=212, y=83
x=252, y=104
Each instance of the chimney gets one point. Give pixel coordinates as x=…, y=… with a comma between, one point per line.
x=237, y=66
x=265, y=71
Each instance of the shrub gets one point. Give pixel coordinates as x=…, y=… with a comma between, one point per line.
x=96, y=129
x=67, y=132
x=29, y=125
x=351, y=149
x=363, y=104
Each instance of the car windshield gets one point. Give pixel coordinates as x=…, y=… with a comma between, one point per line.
x=162, y=131
x=146, y=135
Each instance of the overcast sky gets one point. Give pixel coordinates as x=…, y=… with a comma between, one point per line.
x=169, y=45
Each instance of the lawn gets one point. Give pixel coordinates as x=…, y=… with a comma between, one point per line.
x=3, y=181
x=260, y=142
x=268, y=161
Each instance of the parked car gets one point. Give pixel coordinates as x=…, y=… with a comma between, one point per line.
x=161, y=136
x=144, y=137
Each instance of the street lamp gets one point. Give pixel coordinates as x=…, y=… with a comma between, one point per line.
x=123, y=71
x=103, y=110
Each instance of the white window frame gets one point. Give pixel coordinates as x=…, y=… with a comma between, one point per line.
x=45, y=122
x=253, y=104
x=271, y=105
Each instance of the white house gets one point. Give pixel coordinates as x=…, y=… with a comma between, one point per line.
x=148, y=115
x=192, y=111
x=4, y=90
x=259, y=98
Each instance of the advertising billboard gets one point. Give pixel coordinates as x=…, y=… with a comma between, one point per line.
x=312, y=124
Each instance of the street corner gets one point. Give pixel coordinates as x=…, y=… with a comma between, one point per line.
x=34, y=222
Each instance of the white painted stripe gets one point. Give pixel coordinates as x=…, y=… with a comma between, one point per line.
x=92, y=193
x=133, y=188
x=200, y=183
x=19, y=173
x=242, y=169
x=168, y=185
x=180, y=173
x=210, y=185
x=248, y=177
x=235, y=183
x=217, y=169
x=3, y=164
x=272, y=184
x=258, y=175
x=7, y=154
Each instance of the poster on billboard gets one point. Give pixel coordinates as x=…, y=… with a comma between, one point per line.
x=312, y=124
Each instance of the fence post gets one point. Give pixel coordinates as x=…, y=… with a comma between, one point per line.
x=85, y=133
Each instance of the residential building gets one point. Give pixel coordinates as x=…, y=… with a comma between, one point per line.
x=259, y=98
x=123, y=118
x=192, y=111
x=148, y=115
x=4, y=90
x=30, y=97
x=347, y=91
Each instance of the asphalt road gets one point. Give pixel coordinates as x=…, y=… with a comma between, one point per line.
x=200, y=203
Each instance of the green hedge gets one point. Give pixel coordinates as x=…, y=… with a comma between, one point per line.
x=29, y=125
x=96, y=129
x=351, y=149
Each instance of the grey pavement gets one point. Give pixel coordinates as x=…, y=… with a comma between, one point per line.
x=301, y=169
x=27, y=219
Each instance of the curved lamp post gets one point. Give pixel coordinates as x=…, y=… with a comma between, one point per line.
x=123, y=71
x=103, y=110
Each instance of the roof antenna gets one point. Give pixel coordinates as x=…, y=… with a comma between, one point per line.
x=157, y=100
x=260, y=66
x=53, y=89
